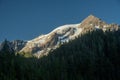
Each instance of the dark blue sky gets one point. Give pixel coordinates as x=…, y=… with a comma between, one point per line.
x=27, y=19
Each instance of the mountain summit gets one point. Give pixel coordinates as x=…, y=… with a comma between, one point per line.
x=44, y=43
x=91, y=18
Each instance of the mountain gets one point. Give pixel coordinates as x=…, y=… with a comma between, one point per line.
x=44, y=43
x=92, y=54
x=17, y=45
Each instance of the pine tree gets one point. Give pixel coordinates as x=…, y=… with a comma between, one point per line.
x=6, y=48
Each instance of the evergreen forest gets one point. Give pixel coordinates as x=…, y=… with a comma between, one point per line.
x=91, y=56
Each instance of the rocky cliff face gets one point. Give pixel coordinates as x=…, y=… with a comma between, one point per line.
x=93, y=23
x=44, y=43
x=17, y=45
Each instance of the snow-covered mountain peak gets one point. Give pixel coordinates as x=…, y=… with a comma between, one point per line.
x=59, y=35
x=42, y=44
x=62, y=29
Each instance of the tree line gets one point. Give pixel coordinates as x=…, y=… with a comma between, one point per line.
x=92, y=56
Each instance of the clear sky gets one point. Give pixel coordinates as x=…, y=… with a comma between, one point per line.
x=27, y=19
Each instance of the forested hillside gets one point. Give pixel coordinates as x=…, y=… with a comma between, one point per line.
x=92, y=56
